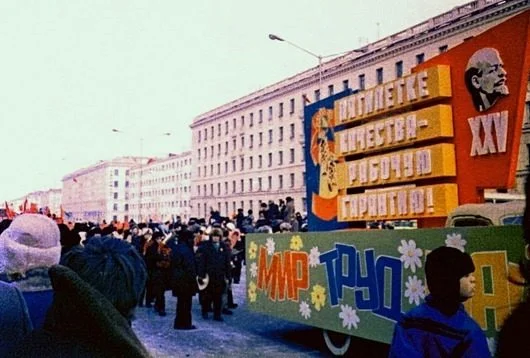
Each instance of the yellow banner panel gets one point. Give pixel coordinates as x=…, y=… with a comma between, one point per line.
x=405, y=129
x=398, y=167
x=434, y=82
x=399, y=203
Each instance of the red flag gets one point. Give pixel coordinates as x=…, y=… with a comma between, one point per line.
x=9, y=213
x=25, y=208
x=306, y=100
x=74, y=179
x=151, y=160
x=33, y=208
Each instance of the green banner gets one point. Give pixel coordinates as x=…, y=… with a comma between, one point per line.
x=359, y=282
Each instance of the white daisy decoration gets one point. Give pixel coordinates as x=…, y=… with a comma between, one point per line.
x=415, y=290
x=270, y=246
x=349, y=316
x=410, y=255
x=253, y=270
x=455, y=240
x=314, y=257
x=492, y=345
x=305, y=310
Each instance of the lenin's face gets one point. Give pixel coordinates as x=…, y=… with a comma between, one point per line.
x=491, y=78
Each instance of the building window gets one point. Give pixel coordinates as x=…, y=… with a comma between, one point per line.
x=280, y=157
x=291, y=131
x=399, y=69
x=226, y=167
x=219, y=149
x=226, y=187
x=211, y=150
x=260, y=138
x=291, y=155
x=219, y=129
x=242, y=121
x=218, y=188
x=233, y=186
x=291, y=106
x=260, y=161
x=205, y=152
x=280, y=110
x=362, y=82
x=270, y=113
x=330, y=90
x=126, y=183
x=198, y=190
x=242, y=185
x=260, y=187
x=218, y=168
x=211, y=169
x=242, y=142
x=226, y=127
x=211, y=189
x=199, y=136
x=251, y=119
x=280, y=133
x=242, y=163
x=233, y=165
x=291, y=180
x=260, y=116
x=115, y=184
x=126, y=207
x=379, y=75
x=226, y=147
x=317, y=95
x=116, y=172
x=115, y=207
x=250, y=184
x=234, y=144
x=280, y=181
x=234, y=123
x=420, y=58
x=211, y=134
x=115, y=195
x=251, y=144
x=345, y=85
x=270, y=160
x=270, y=182
x=443, y=48
x=250, y=162
x=270, y=136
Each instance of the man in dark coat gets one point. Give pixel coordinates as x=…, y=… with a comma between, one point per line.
x=184, y=277
x=213, y=259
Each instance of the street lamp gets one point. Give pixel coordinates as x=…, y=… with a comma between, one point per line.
x=115, y=130
x=319, y=57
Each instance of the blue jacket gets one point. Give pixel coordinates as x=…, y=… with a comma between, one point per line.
x=14, y=318
x=427, y=332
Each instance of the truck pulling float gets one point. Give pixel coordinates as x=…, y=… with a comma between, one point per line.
x=416, y=148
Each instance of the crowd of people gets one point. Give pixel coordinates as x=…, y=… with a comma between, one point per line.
x=72, y=289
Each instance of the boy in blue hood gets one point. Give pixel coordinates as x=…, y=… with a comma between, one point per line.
x=440, y=326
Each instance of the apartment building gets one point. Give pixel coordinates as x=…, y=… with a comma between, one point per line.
x=101, y=191
x=161, y=189
x=251, y=150
x=42, y=199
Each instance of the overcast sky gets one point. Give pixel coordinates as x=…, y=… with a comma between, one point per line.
x=71, y=70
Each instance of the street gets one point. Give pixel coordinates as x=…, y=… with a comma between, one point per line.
x=243, y=334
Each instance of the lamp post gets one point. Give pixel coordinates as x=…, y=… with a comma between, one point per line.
x=115, y=130
x=319, y=57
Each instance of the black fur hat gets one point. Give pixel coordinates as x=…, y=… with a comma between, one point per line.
x=444, y=268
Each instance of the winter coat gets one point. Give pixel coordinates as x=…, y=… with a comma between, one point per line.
x=427, y=332
x=81, y=323
x=512, y=340
x=214, y=262
x=14, y=318
x=184, y=274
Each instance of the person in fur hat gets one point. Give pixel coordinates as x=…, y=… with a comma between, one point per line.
x=28, y=248
x=440, y=326
x=94, y=300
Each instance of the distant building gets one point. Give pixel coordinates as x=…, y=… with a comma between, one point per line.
x=43, y=200
x=251, y=150
x=130, y=188
x=99, y=192
x=164, y=185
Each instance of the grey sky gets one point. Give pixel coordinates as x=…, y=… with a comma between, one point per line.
x=71, y=70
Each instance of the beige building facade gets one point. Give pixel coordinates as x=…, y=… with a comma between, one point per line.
x=251, y=150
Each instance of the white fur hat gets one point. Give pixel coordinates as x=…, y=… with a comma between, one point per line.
x=31, y=241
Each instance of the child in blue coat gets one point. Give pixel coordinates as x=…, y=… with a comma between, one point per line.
x=440, y=326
